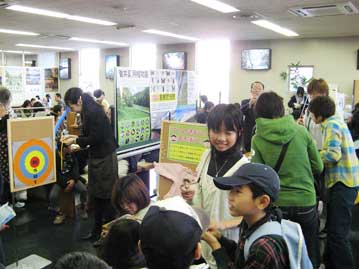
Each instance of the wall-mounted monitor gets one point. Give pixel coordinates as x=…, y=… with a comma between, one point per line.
x=111, y=61
x=256, y=59
x=175, y=60
x=65, y=68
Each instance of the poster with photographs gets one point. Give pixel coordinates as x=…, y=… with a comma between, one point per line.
x=145, y=98
x=51, y=79
x=163, y=90
x=33, y=82
x=133, y=107
x=13, y=80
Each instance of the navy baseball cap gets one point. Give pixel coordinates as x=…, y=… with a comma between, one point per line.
x=252, y=173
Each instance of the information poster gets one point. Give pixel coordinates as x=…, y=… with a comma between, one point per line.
x=51, y=79
x=33, y=82
x=163, y=96
x=186, y=143
x=145, y=98
x=13, y=80
x=133, y=107
x=23, y=82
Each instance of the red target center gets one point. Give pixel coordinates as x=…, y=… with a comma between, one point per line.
x=34, y=162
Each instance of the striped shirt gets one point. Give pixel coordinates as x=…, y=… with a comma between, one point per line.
x=338, y=154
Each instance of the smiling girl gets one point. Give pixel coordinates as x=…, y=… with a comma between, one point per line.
x=223, y=159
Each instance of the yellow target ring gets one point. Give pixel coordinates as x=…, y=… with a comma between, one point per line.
x=28, y=159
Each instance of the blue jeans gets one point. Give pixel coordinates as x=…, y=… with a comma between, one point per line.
x=339, y=219
x=308, y=219
x=79, y=187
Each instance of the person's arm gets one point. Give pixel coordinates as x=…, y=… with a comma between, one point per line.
x=292, y=101
x=257, y=157
x=96, y=130
x=245, y=106
x=221, y=254
x=316, y=162
x=331, y=152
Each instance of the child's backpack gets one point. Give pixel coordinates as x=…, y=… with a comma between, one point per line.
x=293, y=237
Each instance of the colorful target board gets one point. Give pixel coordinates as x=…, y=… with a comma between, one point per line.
x=31, y=153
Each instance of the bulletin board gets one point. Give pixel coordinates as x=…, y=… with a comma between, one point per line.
x=183, y=143
x=23, y=82
x=32, y=160
x=144, y=98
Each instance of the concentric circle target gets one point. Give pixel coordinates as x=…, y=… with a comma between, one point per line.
x=33, y=162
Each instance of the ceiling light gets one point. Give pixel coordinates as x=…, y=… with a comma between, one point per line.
x=99, y=41
x=15, y=32
x=274, y=27
x=158, y=32
x=17, y=51
x=37, y=11
x=60, y=15
x=42, y=47
x=217, y=5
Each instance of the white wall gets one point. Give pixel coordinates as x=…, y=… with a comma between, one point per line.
x=47, y=60
x=108, y=85
x=334, y=59
x=74, y=81
x=12, y=59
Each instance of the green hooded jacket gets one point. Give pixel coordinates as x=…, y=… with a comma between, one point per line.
x=301, y=162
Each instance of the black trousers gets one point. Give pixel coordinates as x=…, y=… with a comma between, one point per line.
x=308, y=219
x=103, y=213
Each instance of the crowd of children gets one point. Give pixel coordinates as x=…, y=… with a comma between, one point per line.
x=254, y=205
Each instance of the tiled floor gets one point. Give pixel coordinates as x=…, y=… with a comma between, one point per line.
x=35, y=234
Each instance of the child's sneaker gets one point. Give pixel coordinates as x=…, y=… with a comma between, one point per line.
x=60, y=218
x=83, y=214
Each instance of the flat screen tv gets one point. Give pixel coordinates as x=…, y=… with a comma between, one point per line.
x=256, y=59
x=175, y=60
x=65, y=68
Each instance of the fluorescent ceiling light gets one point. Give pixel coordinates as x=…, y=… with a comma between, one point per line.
x=99, y=41
x=60, y=15
x=217, y=5
x=275, y=27
x=42, y=47
x=15, y=32
x=158, y=32
x=17, y=51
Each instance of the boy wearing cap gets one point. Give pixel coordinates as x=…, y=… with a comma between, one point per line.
x=253, y=189
x=170, y=234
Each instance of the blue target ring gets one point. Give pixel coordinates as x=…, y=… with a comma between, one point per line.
x=22, y=162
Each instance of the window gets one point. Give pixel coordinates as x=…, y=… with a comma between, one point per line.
x=143, y=56
x=213, y=69
x=89, y=79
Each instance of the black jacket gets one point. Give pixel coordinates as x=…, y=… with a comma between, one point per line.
x=249, y=122
x=69, y=169
x=97, y=131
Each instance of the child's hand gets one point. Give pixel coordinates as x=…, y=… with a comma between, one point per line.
x=211, y=240
x=213, y=229
x=68, y=139
x=4, y=227
x=300, y=120
x=70, y=185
